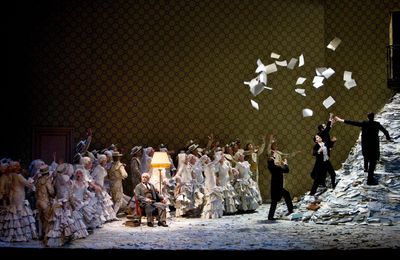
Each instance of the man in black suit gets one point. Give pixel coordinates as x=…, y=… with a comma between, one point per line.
x=323, y=132
x=151, y=201
x=369, y=143
x=277, y=167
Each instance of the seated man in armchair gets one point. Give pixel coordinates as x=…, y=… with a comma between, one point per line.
x=151, y=201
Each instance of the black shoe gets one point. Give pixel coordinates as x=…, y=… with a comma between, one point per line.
x=162, y=223
x=271, y=218
x=372, y=183
x=288, y=213
x=150, y=224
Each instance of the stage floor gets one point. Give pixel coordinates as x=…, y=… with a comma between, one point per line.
x=236, y=234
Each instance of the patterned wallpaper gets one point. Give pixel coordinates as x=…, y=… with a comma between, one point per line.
x=151, y=72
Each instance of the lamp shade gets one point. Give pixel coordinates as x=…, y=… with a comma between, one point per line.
x=160, y=160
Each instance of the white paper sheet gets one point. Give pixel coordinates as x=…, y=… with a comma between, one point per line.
x=307, y=112
x=292, y=63
x=282, y=63
x=318, y=79
x=328, y=73
x=252, y=82
x=318, y=84
x=260, y=66
x=300, y=81
x=350, y=84
x=271, y=68
x=275, y=55
x=254, y=104
x=301, y=60
x=319, y=71
x=328, y=102
x=301, y=91
x=262, y=77
x=334, y=44
x=347, y=75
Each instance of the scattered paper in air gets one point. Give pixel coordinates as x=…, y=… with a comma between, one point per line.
x=328, y=102
x=292, y=63
x=328, y=72
x=275, y=55
x=271, y=68
x=257, y=84
x=307, y=112
x=254, y=104
x=334, y=44
x=282, y=63
x=350, y=84
x=301, y=60
x=301, y=91
x=347, y=75
x=300, y=81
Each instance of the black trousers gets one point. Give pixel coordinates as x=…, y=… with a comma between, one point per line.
x=332, y=173
x=274, y=202
x=369, y=165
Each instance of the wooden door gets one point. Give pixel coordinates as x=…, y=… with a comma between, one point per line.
x=50, y=140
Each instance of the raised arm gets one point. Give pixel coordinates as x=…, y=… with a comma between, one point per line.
x=385, y=132
x=349, y=122
x=270, y=140
x=262, y=147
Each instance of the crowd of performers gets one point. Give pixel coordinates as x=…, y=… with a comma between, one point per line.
x=63, y=201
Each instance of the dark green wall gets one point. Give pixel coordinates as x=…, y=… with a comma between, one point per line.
x=151, y=72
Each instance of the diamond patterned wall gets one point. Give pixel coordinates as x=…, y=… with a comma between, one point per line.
x=151, y=72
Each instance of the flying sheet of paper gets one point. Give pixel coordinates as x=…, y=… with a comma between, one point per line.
x=292, y=63
x=318, y=84
x=254, y=104
x=301, y=91
x=350, y=84
x=257, y=89
x=347, y=75
x=271, y=68
x=318, y=79
x=328, y=73
x=282, y=63
x=300, y=81
x=275, y=55
x=260, y=66
x=252, y=82
x=319, y=71
x=334, y=43
x=307, y=112
x=262, y=77
x=328, y=102
x=301, y=60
